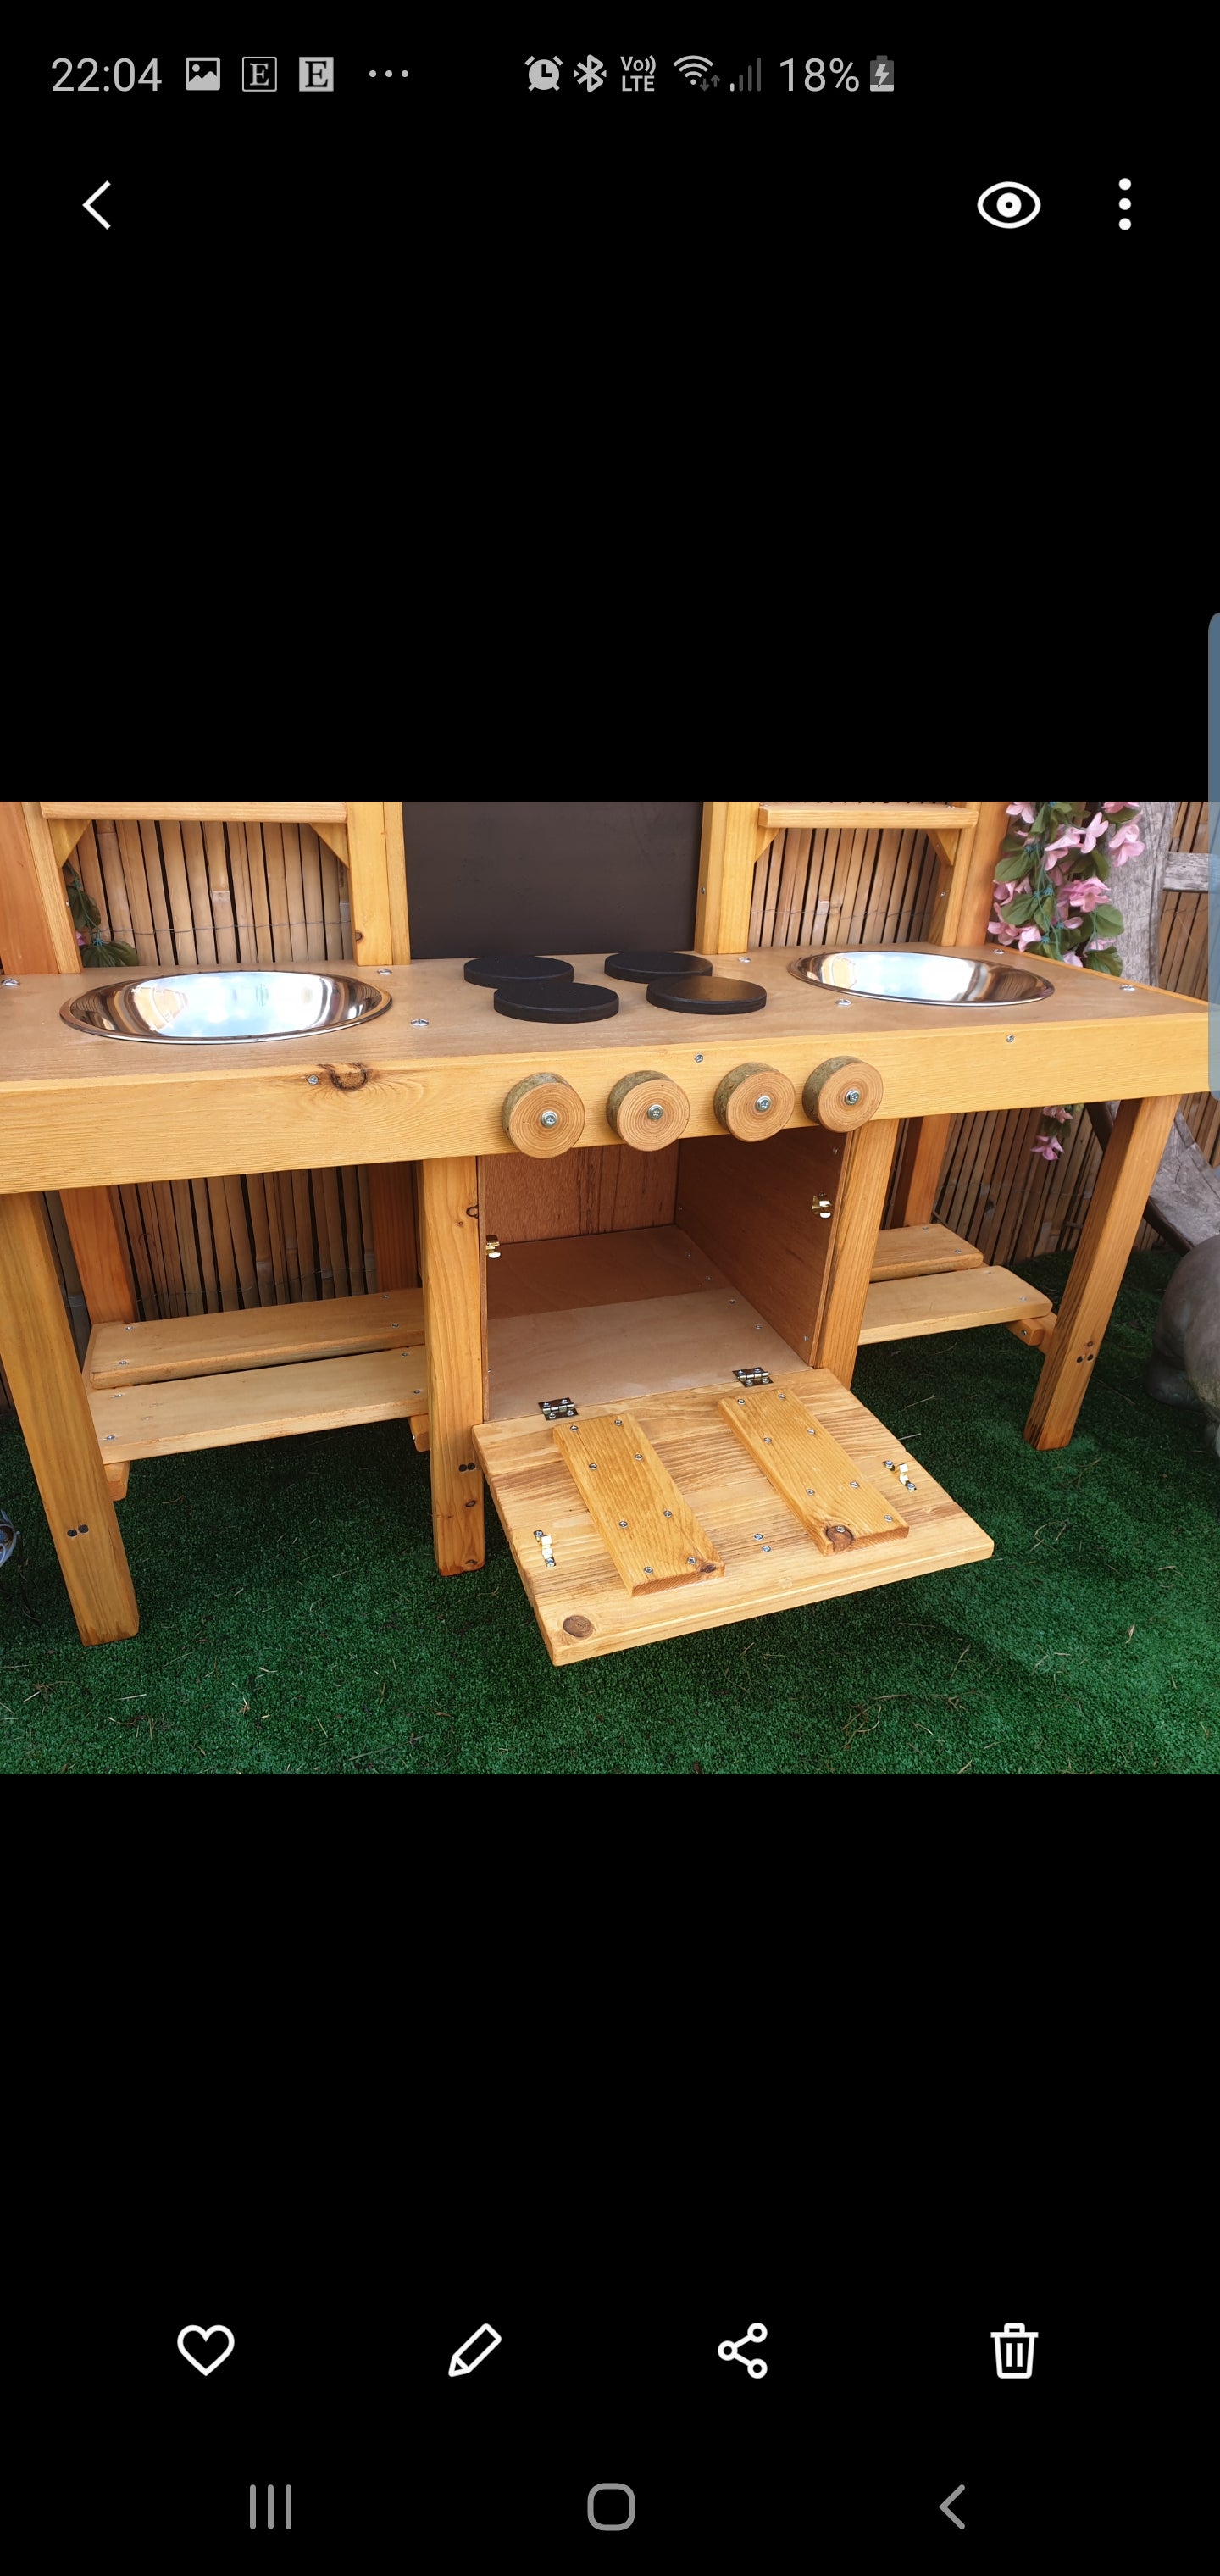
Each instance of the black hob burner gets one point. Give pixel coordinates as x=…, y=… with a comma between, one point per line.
x=518, y=970
x=710, y=993
x=643, y=965
x=555, y=1001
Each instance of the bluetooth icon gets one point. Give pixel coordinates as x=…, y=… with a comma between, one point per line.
x=591, y=73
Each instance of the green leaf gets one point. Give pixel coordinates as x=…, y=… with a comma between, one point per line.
x=1020, y=911
x=1011, y=847
x=1108, y=919
x=1104, y=961
x=115, y=953
x=1061, y=809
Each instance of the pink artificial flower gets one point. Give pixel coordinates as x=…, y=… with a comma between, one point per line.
x=1003, y=931
x=1126, y=845
x=1026, y=937
x=1069, y=839
x=1004, y=893
x=1083, y=893
x=1102, y=943
x=81, y=940
x=1070, y=959
x=1026, y=812
x=1124, y=806
x=1048, y=1147
x=1093, y=832
x=1061, y=1114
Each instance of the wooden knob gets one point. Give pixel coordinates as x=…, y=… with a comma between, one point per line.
x=543, y=1115
x=647, y=1110
x=754, y=1100
x=842, y=1093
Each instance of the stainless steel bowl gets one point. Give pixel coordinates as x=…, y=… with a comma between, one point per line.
x=920, y=975
x=191, y=1006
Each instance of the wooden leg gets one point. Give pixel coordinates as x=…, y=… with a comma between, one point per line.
x=48, y=1390
x=857, y=1222
x=393, y=1207
x=451, y=1259
x=923, y=1155
x=1128, y=1168
x=97, y=1241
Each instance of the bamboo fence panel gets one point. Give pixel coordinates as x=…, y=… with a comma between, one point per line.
x=833, y=889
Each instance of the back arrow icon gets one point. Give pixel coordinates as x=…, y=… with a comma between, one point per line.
x=90, y=205
x=952, y=2499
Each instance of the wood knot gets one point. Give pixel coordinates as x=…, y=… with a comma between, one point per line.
x=348, y=1077
x=577, y=1626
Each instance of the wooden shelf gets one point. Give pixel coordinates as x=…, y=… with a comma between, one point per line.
x=213, y=813
x=949, y=1302
x=255, y=1404
x=873, y=818
x=258, y=1337
x=582, y=1604
x=911, y=1251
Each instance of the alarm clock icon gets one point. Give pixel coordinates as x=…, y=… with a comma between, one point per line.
x=543, y=71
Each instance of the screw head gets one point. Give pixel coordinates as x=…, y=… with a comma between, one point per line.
x=311, y=1077
x=842, y=1006
x=548, y=1118
x=698, y=1059
x=763, y=1101
x=656, y=1110
x=1008, y=1040
x=758, y=1534
x=851, y=1098
x=648, y=1569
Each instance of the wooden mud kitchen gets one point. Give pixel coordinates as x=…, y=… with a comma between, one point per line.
x=648, y=1240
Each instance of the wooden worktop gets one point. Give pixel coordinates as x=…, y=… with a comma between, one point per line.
x=78, y=1109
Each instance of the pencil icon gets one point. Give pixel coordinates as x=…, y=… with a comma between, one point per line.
x=473, y=2351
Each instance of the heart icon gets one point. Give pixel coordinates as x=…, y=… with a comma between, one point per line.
x=205, y=2368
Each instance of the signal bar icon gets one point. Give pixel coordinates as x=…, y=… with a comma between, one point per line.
x=694, y=67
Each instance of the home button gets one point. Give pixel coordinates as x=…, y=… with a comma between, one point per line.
x=611, y=2521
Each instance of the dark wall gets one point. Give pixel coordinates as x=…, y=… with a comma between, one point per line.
x=550, y=878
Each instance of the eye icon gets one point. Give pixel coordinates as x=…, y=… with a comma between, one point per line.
x=1014, y=205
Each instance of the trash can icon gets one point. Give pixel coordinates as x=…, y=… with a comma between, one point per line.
x=1014, y=2352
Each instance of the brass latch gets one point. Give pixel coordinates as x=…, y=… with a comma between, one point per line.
x=493, y=1247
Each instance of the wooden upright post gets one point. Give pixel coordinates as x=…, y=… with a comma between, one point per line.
x=452, y=1258
x=732, y=840
x=43, y=1372
x=963, y=910
x=37, y=938
x=381, y=937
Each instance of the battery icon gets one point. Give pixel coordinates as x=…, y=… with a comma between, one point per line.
x=881, y=73
x=1014, y=2352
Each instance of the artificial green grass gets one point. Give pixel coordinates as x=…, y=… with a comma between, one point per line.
x=293, y=1620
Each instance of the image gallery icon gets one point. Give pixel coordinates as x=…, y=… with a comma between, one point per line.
x=203, y=71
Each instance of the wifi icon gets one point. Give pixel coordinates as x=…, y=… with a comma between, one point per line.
x=694, y=67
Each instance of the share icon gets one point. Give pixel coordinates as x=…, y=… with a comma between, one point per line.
x=736, y=2351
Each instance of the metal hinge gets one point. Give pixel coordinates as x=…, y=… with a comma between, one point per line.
x=557, y=1408
x=545, y=1544
x=754, y=1376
